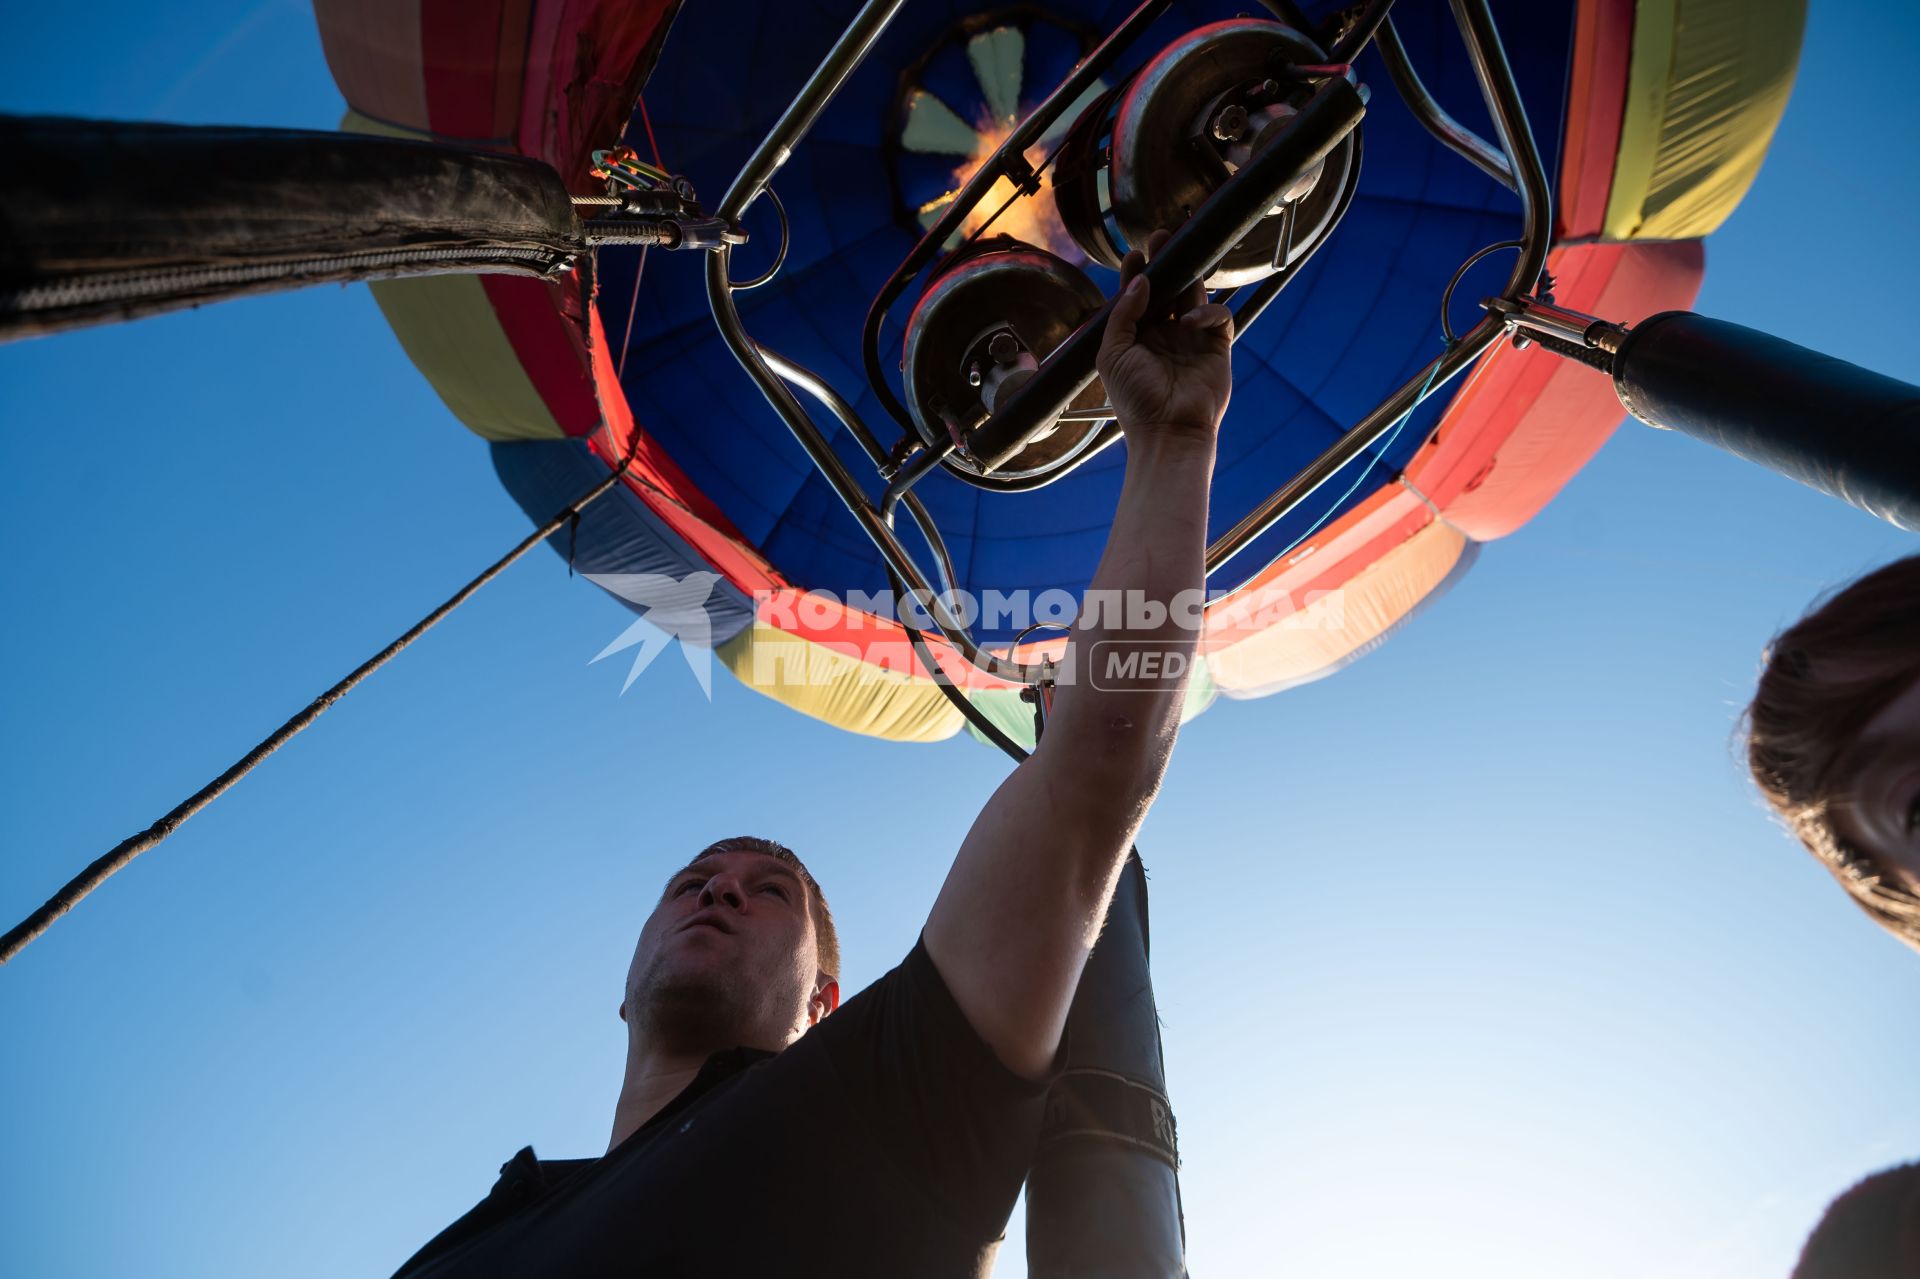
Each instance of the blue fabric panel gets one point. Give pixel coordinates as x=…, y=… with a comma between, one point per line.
x=617, y=534
x=1361, y=319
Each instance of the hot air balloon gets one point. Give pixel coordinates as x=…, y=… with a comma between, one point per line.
x=1651, y=128
x=893, y=278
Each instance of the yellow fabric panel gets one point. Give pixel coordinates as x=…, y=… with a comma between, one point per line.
x=354, y=122
x=1329, y=628
x=451, y=334
x=1706, y=86
x=839, y=688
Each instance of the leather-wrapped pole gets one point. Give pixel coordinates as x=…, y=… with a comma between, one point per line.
x=102, y=220
x=1834, y=426
x=1103, y=1197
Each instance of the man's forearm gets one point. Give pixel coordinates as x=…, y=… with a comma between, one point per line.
x=1012, y=927
x=1114, y=722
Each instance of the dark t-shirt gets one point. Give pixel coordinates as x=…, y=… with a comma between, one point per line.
x=888, y=1140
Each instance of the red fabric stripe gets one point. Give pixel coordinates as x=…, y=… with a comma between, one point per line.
x=585, y=67
x=541, y=321
x=665, y=488
x=1596, y=107
x=370, y=46
x=875, y=640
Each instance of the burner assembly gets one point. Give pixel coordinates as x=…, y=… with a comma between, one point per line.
x=1242, y=137
x=1146, y=154
x=1153, y=150
x=978, y=335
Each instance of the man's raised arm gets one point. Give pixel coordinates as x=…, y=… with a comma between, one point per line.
x=1027, y=895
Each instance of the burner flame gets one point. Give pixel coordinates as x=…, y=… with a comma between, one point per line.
x=1031, y=218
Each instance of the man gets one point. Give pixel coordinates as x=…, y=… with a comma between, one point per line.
x=1833, y=739
x=761, y=1132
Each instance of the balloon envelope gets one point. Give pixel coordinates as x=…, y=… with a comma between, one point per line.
x=561, y=377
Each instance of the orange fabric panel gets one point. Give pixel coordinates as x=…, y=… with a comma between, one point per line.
x=1333, y=627
x=1516, y=433
x=1335, y=555
x=1596, y=105
x=1346, y=546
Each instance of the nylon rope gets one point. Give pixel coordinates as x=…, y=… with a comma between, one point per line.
x=633, y=305
x=639, y=272
x=103, y=867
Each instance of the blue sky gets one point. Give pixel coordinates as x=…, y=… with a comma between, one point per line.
x=1480, y=958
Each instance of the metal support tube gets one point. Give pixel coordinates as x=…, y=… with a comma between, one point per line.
x=816, y=386
x=1454, y=135
x=1502, y=95
x=909, y=475
x=828, y=463
x=846, y=54
x=1348, y=48
x=1535, y=316
x=1444, y=368
x=1536, y=204
x=1223, y=221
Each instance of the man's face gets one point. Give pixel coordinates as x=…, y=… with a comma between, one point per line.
x=1880, y=777
x=728, y=955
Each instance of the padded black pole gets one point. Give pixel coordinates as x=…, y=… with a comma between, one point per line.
x=1103, y=1197
x=102, y=220
x=1834, y=426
